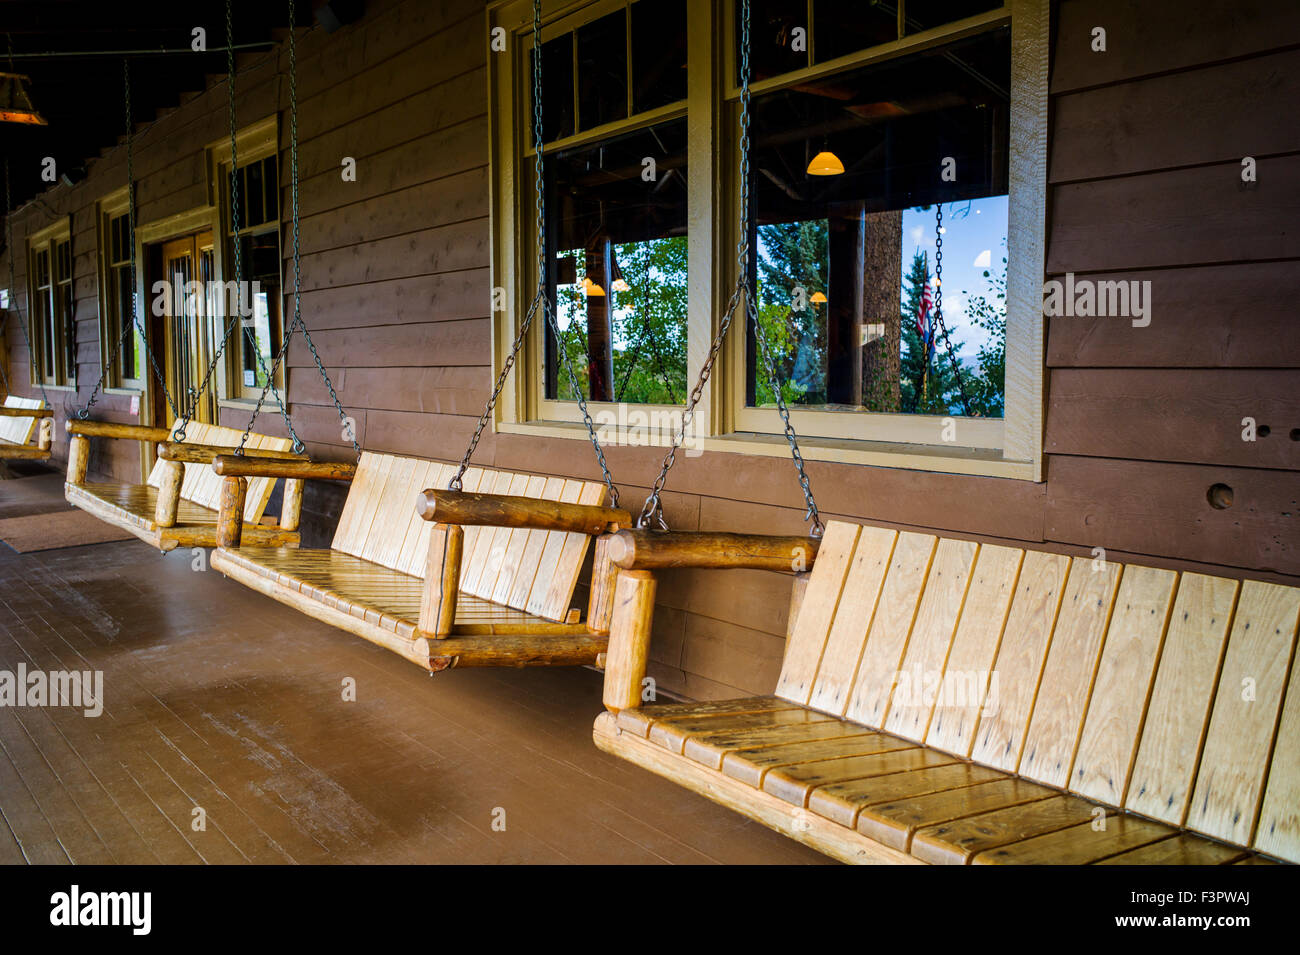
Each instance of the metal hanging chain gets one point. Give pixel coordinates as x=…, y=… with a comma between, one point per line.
x=84, y=412
x=540, y=298
x=13, y=291
x=236, y=318
x=652, y=511
x=938, y=307
x=298, y=323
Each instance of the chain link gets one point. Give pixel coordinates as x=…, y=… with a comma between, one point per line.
x=236, y=317
x=540, y=300
x=938, y=307
x=652, y=510
x=298, y=323
x=135, y=325
x=13, y=292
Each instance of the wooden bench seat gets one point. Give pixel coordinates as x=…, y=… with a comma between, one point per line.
x=512, y=591
x=942, y=701
x=16, y=429
x=178, y=507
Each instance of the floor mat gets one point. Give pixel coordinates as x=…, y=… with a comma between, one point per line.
x=70, y=528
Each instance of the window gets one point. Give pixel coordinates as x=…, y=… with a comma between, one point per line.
x=53, y=308
x=257, y=245
x=116, y=291
x=614, y=88
x=897, y=214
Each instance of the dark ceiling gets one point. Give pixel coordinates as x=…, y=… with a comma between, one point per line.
x=71, y=51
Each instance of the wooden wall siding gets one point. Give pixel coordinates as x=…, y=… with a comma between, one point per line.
x=1145, y=149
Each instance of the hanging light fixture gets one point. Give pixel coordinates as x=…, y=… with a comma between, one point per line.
x=15, y=105
x=591, y=288
x=826, y=163
x=817, y=298
x=619, y=284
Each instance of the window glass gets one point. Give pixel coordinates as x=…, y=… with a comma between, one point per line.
x=658, y=53
x=602, y=70
x=617, y=261
x=921, y=15
x=841, y=27
x=557, y=88
x=845, y=262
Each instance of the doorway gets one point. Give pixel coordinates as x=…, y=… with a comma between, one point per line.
x=185, y=324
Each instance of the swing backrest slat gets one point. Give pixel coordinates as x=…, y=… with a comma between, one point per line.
x=203, y=487
x=531, y=570
x=1169, y=694
x=19, y=430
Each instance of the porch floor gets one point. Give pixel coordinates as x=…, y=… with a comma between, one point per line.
x=220, y=699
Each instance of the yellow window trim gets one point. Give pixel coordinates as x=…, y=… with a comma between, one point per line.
x=1010, y=447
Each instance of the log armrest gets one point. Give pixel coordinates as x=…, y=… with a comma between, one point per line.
x=190, y=453
x=637, y=553
x=82, y=431
x=26, y=412
x=235, y=470
x=503, y=510
x=452, y=511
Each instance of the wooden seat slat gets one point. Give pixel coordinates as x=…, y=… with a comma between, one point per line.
x=958, y=841
x=1080, y=844
x=673, y=734
x=795, y=783
x=1180, y=849
x=18, y=431
x=911, y=702
x=895, y=613
x=478, y=559
x=1068, y=673
x=531, y=557
x=749, y=763
x=893, y=823
x=1229, y=786
x=967, y=678
x=1000, y=736
x=843, y=802
x=1182, y=695
x=639, y=721
x=848, y=631
x=1111, y=728
x=712, y=748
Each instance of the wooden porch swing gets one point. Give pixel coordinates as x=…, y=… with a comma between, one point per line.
x=19, y=417
x=943, y=701
x=481, y=574
x=178, y=504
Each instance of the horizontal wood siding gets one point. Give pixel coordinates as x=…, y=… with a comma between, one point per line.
x=1144, y=185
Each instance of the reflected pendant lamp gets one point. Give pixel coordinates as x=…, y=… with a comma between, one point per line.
x=15, y=105
x=826, y=163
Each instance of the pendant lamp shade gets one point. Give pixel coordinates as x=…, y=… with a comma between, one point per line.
x=15, y=105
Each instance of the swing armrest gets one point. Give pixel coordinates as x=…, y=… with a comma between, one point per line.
x=654, y=550
x=504, y=510
x=111, y=429
x=26, y=412
x=235, y=470
x=188, y=453
x=281, y=465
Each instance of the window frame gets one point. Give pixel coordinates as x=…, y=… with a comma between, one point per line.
x=111, y=207
x=255, y=142
x=45, y=241
x=1011, y=447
